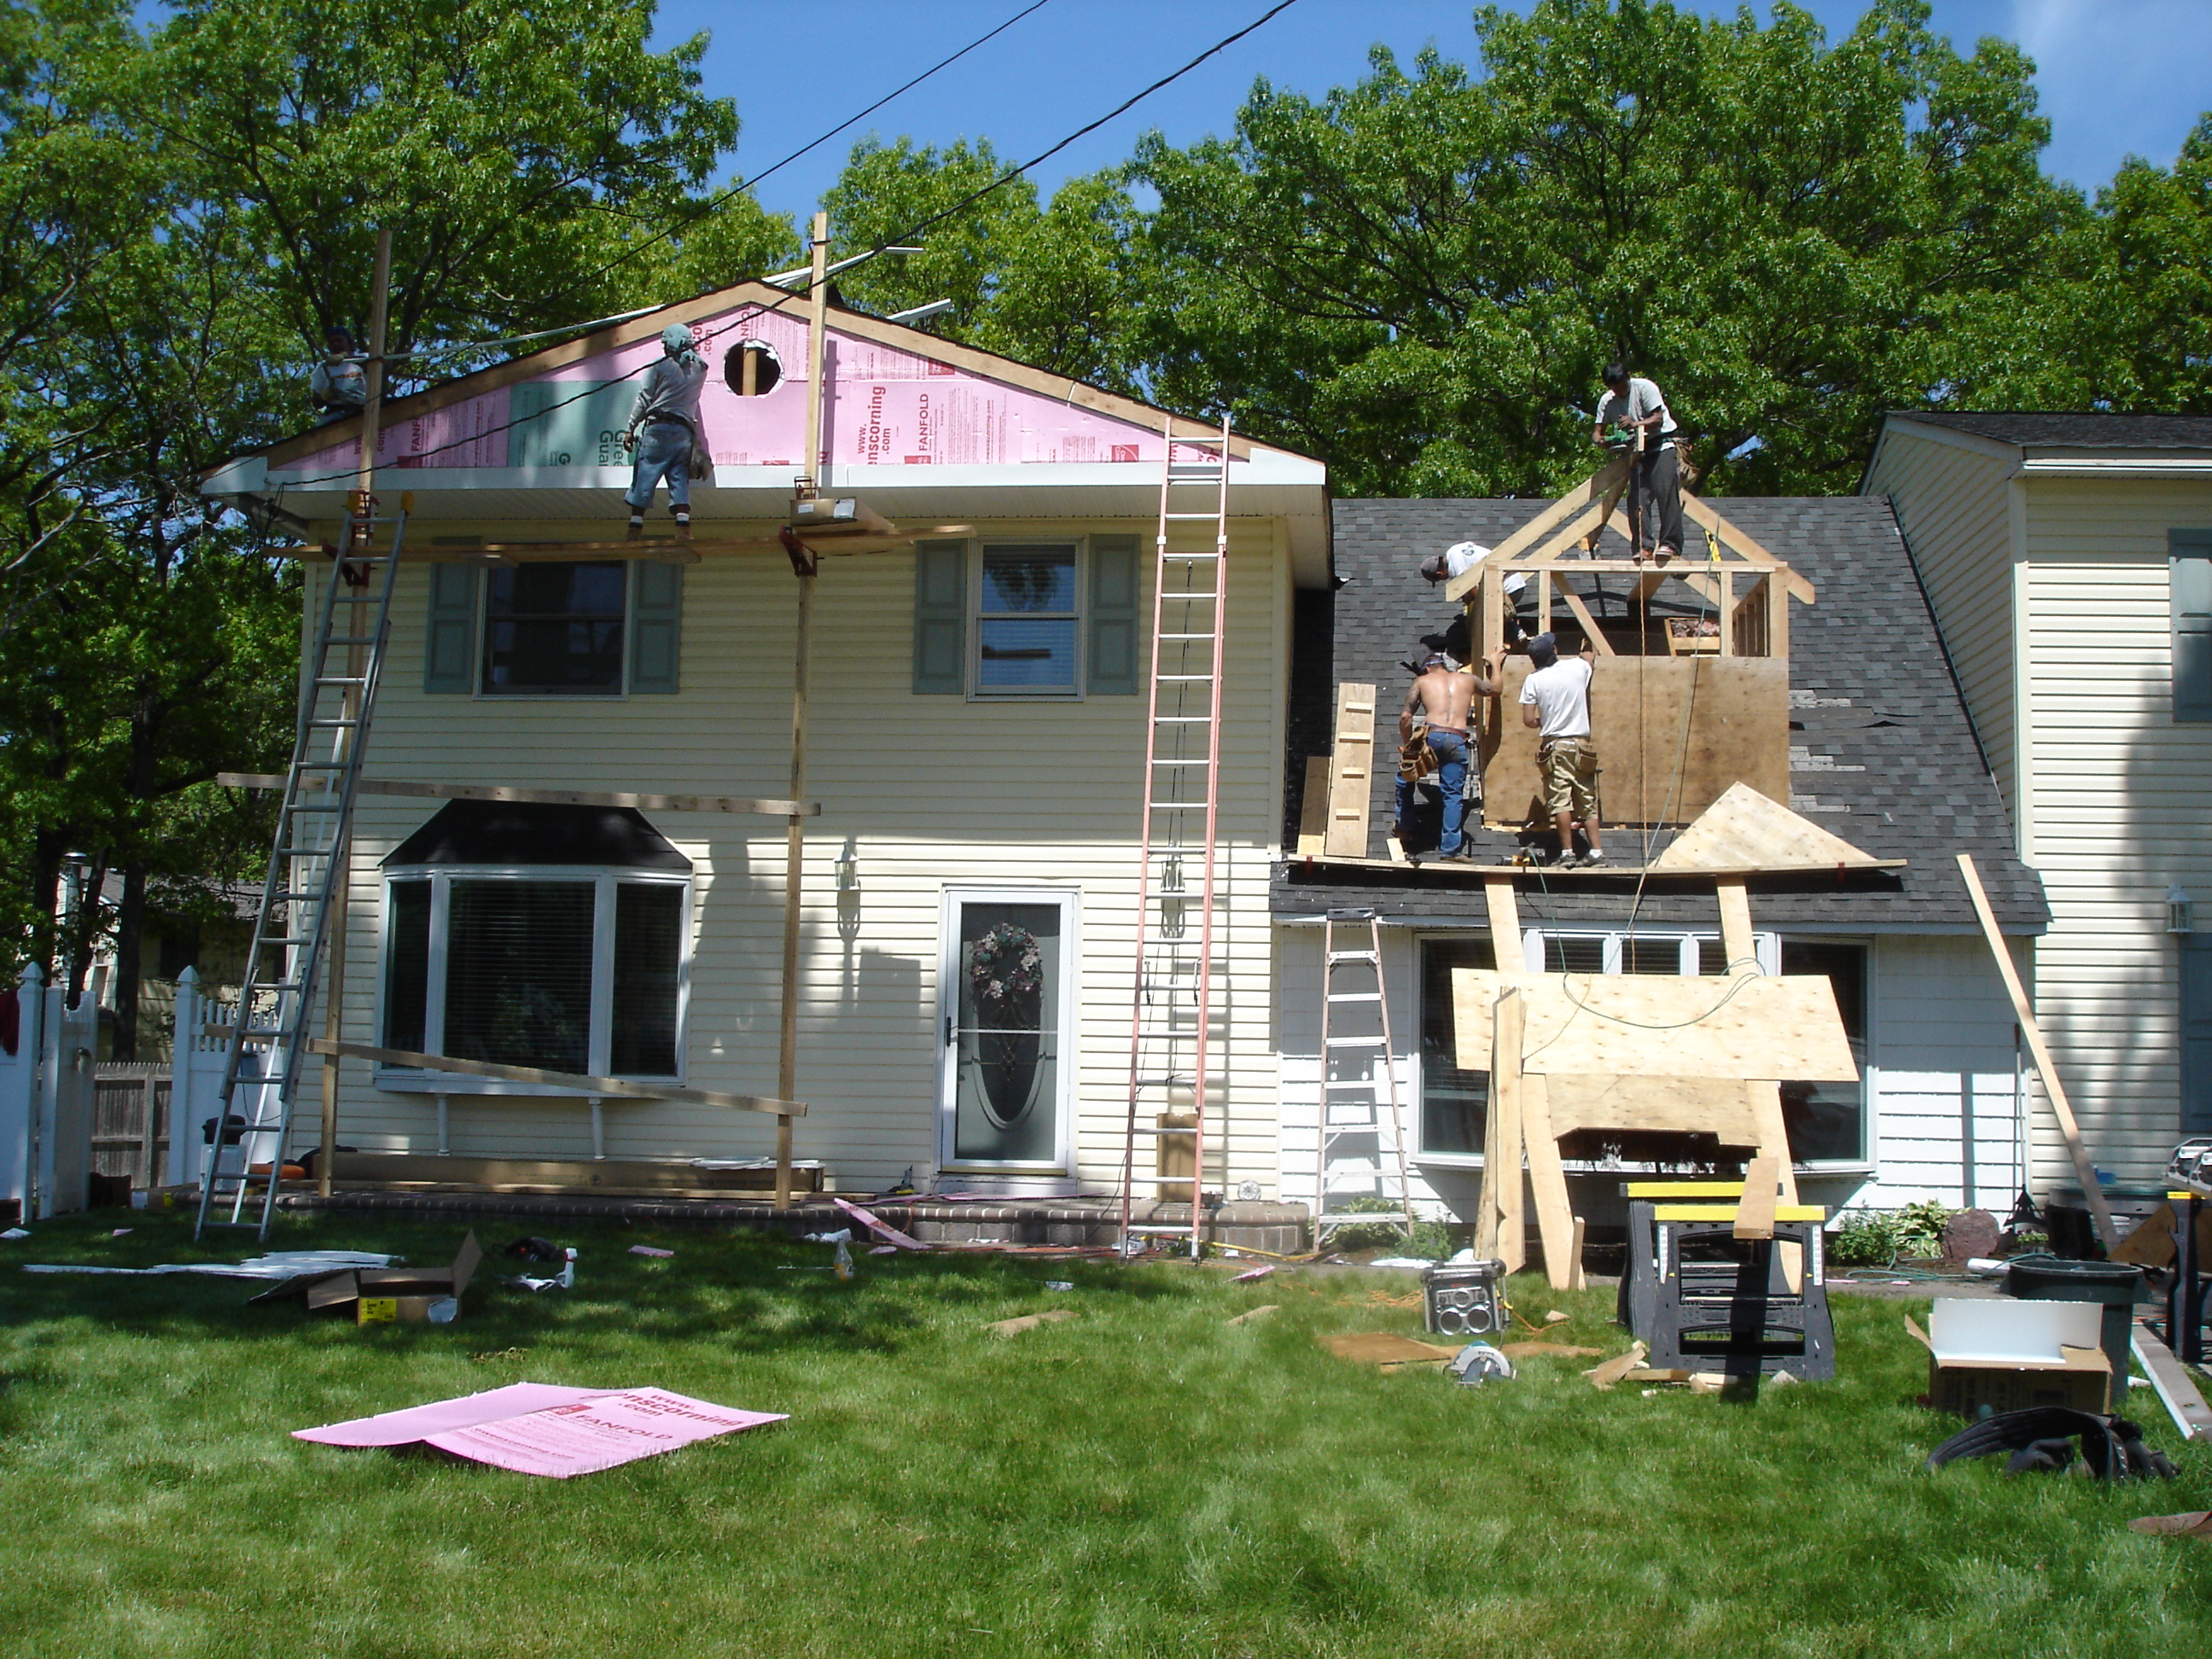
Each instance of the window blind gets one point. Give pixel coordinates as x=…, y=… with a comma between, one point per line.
x=648, y=956
x=519, y=973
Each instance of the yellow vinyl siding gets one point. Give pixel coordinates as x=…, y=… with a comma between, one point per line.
x=929, y=792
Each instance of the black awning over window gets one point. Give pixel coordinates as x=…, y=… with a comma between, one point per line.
x=483, y=832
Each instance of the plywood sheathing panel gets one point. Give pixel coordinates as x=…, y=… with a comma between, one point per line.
x=1676, y=1105
x=1649, y=1026
x=1313, y=807
x=1351, y=769
x=1738, y=732
x=1744, y=830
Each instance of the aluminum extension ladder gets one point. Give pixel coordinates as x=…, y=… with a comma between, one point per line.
x=1362, y=1133
x=307, y=875
x=1173, y=1068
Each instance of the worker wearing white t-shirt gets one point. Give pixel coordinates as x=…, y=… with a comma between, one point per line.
x=1637, y=407
x=1555, y=702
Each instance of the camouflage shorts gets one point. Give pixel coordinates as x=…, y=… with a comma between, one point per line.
x=1569, y=769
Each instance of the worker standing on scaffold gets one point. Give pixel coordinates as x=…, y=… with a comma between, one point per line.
x=668, y=411
x=1636, y=407
x=1555, y=701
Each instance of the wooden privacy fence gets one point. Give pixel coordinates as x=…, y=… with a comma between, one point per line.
x=131, y=1121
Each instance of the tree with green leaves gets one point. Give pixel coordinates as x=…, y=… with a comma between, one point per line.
x=193, y=203
x=1057, y=286
x=1420, y=275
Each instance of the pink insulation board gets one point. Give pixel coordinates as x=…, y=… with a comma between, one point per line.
x=886, y=407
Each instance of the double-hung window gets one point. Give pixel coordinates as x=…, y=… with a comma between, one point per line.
x=548, y=936
x=1027, y=619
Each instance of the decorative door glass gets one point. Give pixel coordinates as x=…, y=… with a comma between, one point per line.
x=1007, y=1061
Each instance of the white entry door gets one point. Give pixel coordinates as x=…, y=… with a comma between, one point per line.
x=1006, y=1016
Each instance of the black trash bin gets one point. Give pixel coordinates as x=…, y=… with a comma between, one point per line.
x=2115, y=1284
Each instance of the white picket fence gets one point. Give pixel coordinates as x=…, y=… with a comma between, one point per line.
x=46, y=1099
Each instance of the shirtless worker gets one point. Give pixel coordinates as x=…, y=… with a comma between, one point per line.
x=1442, y=695
x=1555, y=702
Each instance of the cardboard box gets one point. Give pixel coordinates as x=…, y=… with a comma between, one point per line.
x=408, y=1296
x=2010, y=1355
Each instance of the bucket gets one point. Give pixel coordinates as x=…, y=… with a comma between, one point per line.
x=2116, y=1285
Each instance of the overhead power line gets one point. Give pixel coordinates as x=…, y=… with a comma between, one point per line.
x=745, y=184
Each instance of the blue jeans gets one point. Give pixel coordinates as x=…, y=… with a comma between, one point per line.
x=1451, y=752
x=663, y=450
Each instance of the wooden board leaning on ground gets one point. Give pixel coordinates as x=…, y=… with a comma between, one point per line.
x=1739, y=732
x=1654, y=1025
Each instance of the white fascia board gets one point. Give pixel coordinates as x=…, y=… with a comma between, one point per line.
x=248, y=475
x=2137, y=464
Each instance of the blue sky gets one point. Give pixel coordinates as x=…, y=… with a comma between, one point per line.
x=2116, y=76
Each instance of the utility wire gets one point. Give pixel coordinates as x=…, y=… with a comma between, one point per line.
x=742, y=186
x=1012, y=173
x=906, y=235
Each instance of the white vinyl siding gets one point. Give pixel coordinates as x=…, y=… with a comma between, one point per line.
x=1943, y=1078
x=1951, y=502
x=924, y=792
x=2123, y=805
x=2068, y=579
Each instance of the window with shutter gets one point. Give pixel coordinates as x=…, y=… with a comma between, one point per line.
x=2191, y=576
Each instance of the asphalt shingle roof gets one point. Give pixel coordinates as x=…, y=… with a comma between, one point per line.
x=1881, y=751
x=2032, y=430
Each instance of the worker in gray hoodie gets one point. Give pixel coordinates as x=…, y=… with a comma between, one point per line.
x=663, y=429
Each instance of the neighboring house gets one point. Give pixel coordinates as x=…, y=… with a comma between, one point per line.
x=977, y=724
x=2069, y=562
x=1880, y=755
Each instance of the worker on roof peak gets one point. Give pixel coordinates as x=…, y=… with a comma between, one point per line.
x=1455, y=562
x=339, y=385
x=671, y=446
x=1637, y=409
x=1555, y=702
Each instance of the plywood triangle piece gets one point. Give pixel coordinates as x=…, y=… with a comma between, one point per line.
x=1743, y=831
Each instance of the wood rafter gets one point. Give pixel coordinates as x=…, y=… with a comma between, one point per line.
x=1555, y=541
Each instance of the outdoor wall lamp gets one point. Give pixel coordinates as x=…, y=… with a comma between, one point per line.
x=2180, y=909
x=848, y=874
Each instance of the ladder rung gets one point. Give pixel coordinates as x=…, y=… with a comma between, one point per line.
x=1163, y=1227
x=1355, y=996
x=1352, y=1043
x=1194, y=679
x=314, y=806
x=1181, y=762
x=1188, y=636
x=341, y=679
x=1197, y=518
x=1351, y=956
x=1183, y=719
x=1186, y=558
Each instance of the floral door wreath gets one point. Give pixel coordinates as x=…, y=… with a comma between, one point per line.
x=1006, y=965
x=1005, y=969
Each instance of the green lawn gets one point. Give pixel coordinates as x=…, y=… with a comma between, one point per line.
x=1143, y=1479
